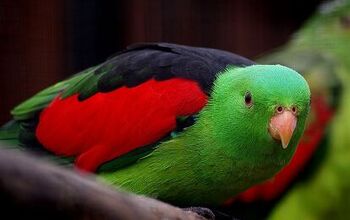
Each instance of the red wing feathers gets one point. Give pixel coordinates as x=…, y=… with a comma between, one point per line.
x=108, y=125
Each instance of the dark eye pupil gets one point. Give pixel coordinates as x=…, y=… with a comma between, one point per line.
x=248, y=98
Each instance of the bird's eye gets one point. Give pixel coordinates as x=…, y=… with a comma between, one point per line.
x=248, y=99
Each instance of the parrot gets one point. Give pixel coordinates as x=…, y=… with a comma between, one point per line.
x=314, y=185
x=190, y=126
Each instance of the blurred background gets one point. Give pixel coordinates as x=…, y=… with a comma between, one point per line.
x=42, y=41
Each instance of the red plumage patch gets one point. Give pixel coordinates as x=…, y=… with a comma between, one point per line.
x=108, y=125
x=307, y=146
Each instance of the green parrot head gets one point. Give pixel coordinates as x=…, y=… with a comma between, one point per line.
x=261, y=110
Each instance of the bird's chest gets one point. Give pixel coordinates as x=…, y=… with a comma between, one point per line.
x=223, y=178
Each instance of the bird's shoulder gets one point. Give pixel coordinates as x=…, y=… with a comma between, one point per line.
x=135, y=65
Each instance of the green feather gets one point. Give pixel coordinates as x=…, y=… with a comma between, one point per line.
x=30, y=107
x=9, y=133
x=228, y=149
x=127, y=159
x=85, y=84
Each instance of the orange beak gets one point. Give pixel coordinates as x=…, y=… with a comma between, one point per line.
x=282, y=126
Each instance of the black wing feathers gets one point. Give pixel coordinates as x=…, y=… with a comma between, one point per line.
x=161, y=61
x=133, y=66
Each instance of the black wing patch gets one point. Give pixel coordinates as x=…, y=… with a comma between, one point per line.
x=135, y=65
x=161, y=61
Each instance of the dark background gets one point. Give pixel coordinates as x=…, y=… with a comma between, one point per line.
x=43, y=41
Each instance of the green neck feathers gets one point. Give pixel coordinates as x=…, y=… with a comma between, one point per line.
x=229, y=148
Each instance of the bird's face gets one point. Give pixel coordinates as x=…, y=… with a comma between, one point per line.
x=261, y=107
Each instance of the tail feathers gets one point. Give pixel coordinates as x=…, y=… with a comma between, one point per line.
x=15, y=135
x=9, y=134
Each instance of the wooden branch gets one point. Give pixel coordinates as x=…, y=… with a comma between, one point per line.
x=31, y=188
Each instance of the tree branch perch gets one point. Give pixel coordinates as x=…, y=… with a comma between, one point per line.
x=33, y=188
